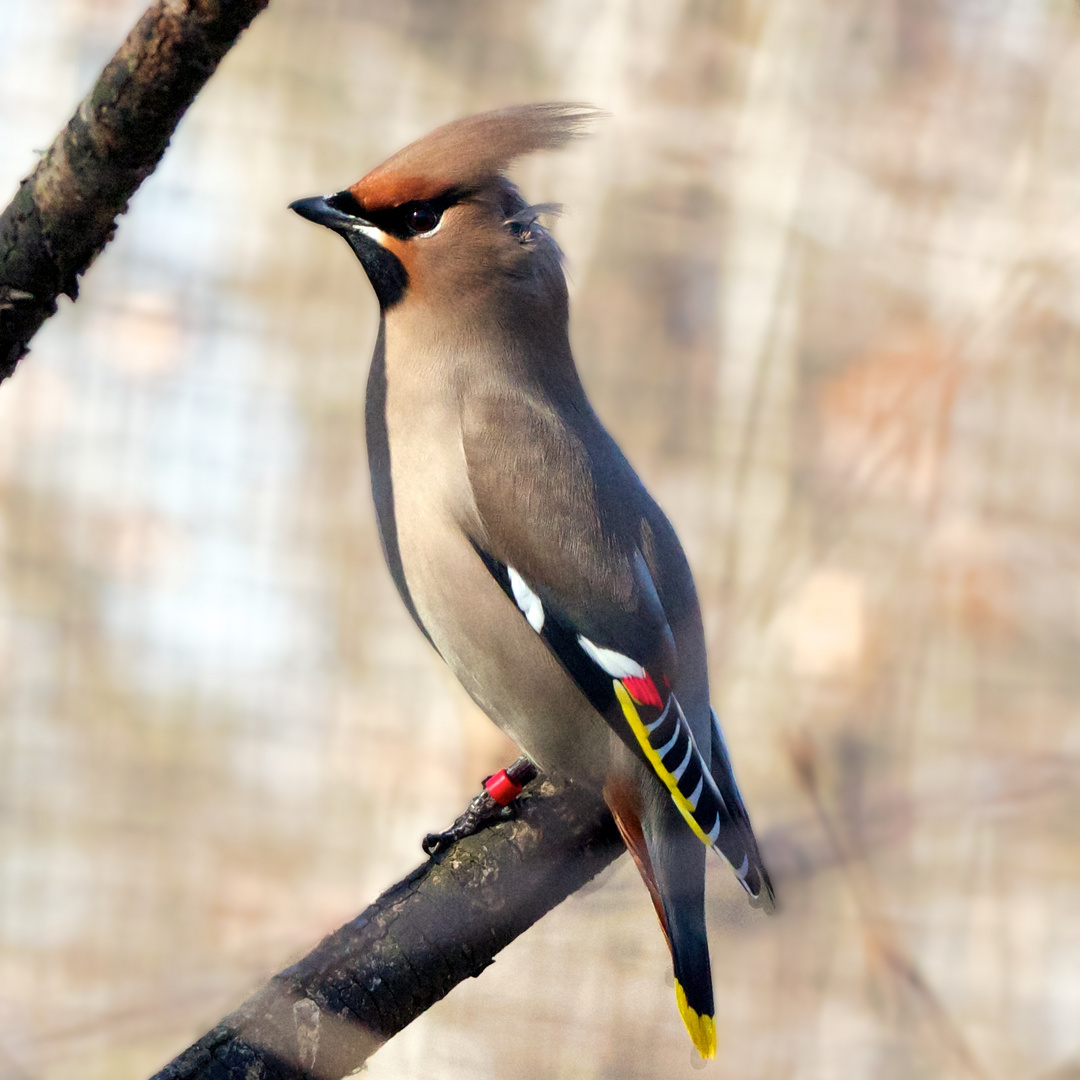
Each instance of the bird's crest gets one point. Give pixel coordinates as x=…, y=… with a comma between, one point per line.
x=464, y=154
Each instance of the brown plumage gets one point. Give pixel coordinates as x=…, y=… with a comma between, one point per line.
x=519, y=537
x=466, y=154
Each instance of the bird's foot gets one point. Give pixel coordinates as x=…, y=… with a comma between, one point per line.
x=493, y=804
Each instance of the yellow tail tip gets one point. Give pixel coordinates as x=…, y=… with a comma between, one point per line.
x=702, y=1029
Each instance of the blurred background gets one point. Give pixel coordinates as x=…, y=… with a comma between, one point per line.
x=825, y=263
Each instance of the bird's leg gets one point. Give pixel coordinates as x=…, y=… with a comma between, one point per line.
x=491, y=805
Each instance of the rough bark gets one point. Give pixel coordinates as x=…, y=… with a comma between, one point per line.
x=65, y=212
x=323, y=1017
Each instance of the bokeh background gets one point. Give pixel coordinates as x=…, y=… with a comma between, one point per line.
x=825, y=262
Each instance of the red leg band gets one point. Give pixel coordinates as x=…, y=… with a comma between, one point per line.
x=501, y=788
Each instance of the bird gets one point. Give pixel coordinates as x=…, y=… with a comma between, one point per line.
x=519, y=537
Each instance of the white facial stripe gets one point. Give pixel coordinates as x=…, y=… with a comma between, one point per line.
x=372, y=232
x=525, y=598
x=614, y=663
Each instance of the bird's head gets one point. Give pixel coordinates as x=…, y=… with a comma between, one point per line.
x=439, y=223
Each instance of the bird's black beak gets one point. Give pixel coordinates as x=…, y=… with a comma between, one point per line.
x=342, y=214
x=321, y=210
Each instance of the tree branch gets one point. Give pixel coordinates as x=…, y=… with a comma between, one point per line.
x=65, y=212
x=322, y=1018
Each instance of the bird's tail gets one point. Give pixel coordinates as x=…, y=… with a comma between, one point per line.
x=671, y=861
x=678, y=860
x=693, y=985
x=701, y=785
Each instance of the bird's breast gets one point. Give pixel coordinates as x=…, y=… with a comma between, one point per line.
x=487, y=642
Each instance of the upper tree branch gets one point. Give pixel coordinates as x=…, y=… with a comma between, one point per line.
x=65, y=211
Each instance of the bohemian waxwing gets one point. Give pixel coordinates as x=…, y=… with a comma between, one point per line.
x=520, y=539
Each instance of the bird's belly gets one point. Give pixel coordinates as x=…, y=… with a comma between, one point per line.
x=504, y=665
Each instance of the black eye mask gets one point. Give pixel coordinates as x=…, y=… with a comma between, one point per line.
x=406, y=221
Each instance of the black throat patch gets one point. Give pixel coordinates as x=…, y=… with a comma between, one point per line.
x=388, y=277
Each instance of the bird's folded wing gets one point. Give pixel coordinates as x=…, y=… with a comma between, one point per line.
x=638, y=701
x=564, y=551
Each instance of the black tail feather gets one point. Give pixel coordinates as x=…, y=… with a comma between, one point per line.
x=678, y=861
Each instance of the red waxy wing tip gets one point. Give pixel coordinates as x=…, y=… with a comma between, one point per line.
x=643, y=690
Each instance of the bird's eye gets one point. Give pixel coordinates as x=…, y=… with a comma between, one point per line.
x=422, y=219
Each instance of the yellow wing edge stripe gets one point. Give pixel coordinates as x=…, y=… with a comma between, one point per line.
x=638, y=728
x=702, y=1029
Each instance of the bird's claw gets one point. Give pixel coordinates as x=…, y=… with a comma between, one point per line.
x=481, y=812
x=493, y=804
